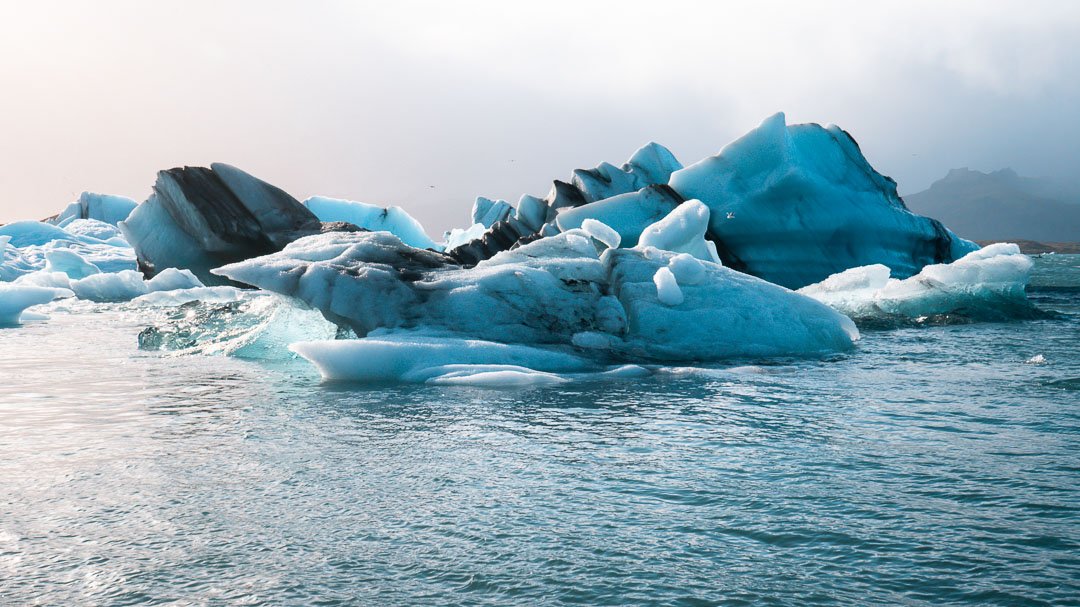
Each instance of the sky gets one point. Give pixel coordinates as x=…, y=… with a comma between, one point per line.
x=427, y=105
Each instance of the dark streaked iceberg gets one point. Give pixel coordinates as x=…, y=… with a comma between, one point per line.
x=534, y=218
x=200, y=218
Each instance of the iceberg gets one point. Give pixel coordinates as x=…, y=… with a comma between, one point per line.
x=988, y=283
x=570, y=290
x=371, y=217
x=796, y=204
x=105, y=208
x=15, y=299
x=652, y=164
x=199, y=218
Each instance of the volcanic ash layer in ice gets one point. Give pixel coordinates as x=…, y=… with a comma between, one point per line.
x=796, y=204
x=985, y=284
x=199, y=218
x=569, y=292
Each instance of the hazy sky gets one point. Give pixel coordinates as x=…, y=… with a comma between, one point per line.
x=380, y=101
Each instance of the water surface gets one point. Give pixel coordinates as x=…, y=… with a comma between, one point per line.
x=932, y=465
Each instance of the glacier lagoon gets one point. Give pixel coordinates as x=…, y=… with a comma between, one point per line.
x=759, y=378
x=932, y=464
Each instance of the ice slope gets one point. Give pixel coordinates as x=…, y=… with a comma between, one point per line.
x=199, y=218
x=796, y=204
x=568, y=289
x=371, y=217
x=105, y=208
x=988, y=283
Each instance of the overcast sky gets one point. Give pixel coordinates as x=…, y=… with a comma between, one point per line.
x=379, y=103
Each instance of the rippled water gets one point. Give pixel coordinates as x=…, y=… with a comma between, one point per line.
x=933, y=465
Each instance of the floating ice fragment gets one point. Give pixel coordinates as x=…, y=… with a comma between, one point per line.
x=987, y=283
x=14, y=299
x=418, y=358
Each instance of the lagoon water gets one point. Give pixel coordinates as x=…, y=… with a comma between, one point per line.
x=932, y=465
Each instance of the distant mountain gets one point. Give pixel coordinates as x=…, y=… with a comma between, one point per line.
x=1001, y=206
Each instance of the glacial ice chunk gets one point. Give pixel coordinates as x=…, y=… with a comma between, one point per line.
x=667, y=288
x=628, y=214
x=796, y=204
x=371, y=217
x=69, y=263
x=457, y=236
x=416, y=357
x=682, y=231
x=110, y=287
x=601, y=232
x=29, y=242
x=488, y=212
x=105, y=208
x=199, y=218
x=568, y=290
x=987, y=283
x=171, y=279
x=15, y=299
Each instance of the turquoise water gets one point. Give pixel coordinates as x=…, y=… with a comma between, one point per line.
x=933, y=465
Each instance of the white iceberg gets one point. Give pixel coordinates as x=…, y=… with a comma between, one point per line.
x=15, y=299
x=987, y=283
